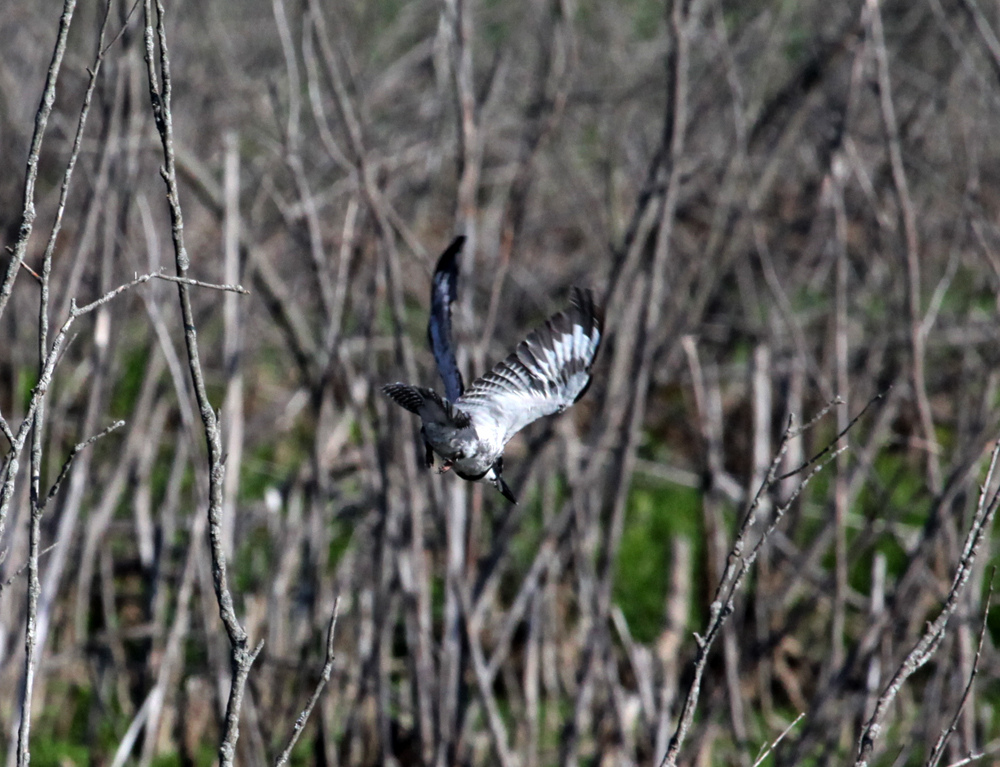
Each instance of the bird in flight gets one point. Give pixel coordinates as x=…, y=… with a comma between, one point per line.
x=548, y=372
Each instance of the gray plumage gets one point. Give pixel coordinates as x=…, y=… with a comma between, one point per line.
x=548, y=372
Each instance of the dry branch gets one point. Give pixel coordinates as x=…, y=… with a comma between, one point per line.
x=924, y=650
x=324, y=678
x=942, y=741
x=736, y=569
x=31, y=174
x=242, y=657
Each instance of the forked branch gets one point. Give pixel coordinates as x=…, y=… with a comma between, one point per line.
x=738, y=565
x=924, y=650
x=241, y=656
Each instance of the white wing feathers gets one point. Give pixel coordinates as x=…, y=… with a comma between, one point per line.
x=548, y=372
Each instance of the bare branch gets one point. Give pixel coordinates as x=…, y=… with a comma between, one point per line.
x=324, y=677
x=77, y=311
x=32, y=272
x=17, y=573
x=737, y=567
x=5, y=428
x=41, y=120
x=72, y=455
x=928, y=644
x=918, y=339
x=942, y=741
x=242, y=657
x=835, y=440
x=768, y=749
x=200, y=284
x=11, y=465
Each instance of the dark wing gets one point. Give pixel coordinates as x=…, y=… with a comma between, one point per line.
x=549, y=371
x=426, y=403
x=443, y=293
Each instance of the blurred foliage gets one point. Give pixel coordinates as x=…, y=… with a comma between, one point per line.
x=656, y=515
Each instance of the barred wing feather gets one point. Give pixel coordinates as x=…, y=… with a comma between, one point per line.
x=548, y=372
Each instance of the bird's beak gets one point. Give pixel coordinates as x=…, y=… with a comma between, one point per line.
x=504, y=490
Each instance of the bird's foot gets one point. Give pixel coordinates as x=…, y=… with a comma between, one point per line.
x=444, y=467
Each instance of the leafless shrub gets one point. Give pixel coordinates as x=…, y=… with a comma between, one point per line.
x=783, y=205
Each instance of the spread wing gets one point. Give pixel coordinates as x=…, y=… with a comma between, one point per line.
x=548, y=372
x=443, y=292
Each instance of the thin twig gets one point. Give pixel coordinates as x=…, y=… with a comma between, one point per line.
x=241, y=656
x=968, y=760
x=76, y=311
x=72, y=455
x=835, y=440
x=6, y=289
x=22, y=568
x=36, y=628
x=120, y=32
x=81, y=124
x=737, y=567
x=494, y=720
x=31, y=175
x=5, y=429
x=32, y=272
x=768, y=749
x=11, y=465
x=928, y=644
x=942, y=741
x=324, y=677
x=912, y=244
x=200, y=284
x=37, y=619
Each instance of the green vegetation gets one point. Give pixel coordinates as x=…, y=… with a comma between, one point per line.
x=655, y=517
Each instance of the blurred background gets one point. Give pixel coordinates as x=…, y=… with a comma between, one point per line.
x=778, y=203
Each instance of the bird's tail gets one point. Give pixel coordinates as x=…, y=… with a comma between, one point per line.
x=426, y=403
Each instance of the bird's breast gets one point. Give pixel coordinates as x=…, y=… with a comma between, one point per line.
x=469, y=455
x=460, y=446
